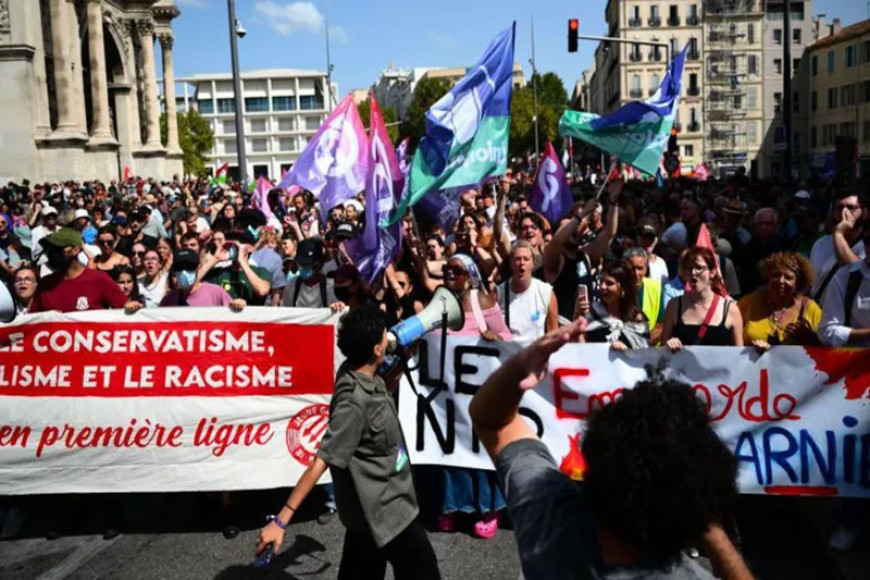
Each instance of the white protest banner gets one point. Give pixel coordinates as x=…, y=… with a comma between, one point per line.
x=169, y=399
x=796, y=418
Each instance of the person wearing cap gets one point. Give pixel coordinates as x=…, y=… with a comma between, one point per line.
x=137, y=220
x=48, y=225
x=229, y=267
x=154, y=227
x=73, y=287
x=311, y=288
x=189, y=290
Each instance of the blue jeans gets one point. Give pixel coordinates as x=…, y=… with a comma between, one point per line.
x=330, y=496
x=471, y=491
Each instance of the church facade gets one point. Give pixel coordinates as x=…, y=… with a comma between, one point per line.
x=80, y=97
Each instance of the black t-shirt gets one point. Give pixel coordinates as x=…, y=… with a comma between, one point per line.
x=575, y=271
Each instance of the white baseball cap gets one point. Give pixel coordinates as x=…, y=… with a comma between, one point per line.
x=81, y=213
x=48, y=210
x=802, y=194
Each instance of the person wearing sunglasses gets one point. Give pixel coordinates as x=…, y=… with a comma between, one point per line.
x=137, y=254
x=109, y=259
x=24, y=287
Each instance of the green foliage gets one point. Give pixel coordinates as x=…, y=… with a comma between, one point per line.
x=552, y=102
x=389, y=114
x=426, y=94
x=195, y=137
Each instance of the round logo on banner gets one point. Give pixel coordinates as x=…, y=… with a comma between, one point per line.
x=304, y=432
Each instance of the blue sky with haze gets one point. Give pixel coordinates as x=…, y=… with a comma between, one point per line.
x=367, y=35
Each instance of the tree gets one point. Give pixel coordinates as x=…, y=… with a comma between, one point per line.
x=426, y=94
x=195, y=137
x=389, y=114
x=552, y=102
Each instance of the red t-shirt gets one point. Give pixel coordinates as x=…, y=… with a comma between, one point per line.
x=91, y=290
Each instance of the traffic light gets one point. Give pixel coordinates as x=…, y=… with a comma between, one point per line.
x=573, y=28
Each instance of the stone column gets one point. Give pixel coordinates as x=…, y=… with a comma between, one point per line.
x=62, y=67
x=100, y=127
x=74, y=44
x=166, y=41
x=152, y=111
x=131, y=71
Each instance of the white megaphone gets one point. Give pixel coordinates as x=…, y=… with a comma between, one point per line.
x=445, y=310
x=7, y=305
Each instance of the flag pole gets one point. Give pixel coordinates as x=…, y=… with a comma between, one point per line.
x=603, y=185
x=535, y=96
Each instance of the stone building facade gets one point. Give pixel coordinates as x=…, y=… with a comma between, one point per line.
x=80, y=98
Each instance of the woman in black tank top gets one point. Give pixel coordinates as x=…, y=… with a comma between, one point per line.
x=703, y=317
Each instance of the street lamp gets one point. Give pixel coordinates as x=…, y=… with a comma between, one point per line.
x=236, y=29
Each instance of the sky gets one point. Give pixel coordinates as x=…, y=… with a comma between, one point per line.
x=366, y=36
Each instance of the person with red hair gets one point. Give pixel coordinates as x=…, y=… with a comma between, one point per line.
x=704, y=315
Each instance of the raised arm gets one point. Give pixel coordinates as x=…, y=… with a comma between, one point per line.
x=597, y=248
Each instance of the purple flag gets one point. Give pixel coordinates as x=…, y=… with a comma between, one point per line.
x=402, y=156
x=261, y=198
x=551, y=195
x=334, y=164
x=443, y=205
x=376, y=247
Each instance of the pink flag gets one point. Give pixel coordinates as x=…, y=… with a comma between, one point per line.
x=334, y=164
x=701, y=172
x=705, y=241
x=260, y=198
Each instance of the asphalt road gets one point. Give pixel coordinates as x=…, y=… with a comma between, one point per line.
x=175, y=536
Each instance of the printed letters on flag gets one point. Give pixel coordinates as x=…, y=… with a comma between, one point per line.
x=551, y=195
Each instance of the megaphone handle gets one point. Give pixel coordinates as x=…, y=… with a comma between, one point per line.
x=443, y=353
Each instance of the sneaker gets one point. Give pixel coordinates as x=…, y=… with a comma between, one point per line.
x=447, y=523
x=487, y=527
x=845, y=537
x=326, y=517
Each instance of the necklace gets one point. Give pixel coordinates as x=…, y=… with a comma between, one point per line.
x=776, y=314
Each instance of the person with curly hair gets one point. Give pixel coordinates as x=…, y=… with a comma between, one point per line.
x=616, y=319
x=657, y=480
x=780, y=312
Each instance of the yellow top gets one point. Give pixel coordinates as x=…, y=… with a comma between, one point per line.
x=757, y=324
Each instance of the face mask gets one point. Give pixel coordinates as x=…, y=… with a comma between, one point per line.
x=186, y=279
x=290, y=276
x=254, y=232
x=57, y=260
x=306, y=273
x=82, y=259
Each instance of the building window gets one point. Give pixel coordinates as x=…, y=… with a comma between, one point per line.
x=865, y=131
x=654, y=83
x=832, y=98
x=654, y=17
x=796, y=142
x=795, y=66
x=777, y=35
x=256, y=105
x=777, y=66
x=738, y=102
x=796, y=36
x=694, y=90
x=866, y=97
x=230, y=146
x=750, y=33
x=752, y=97
x=832, y=57
x=205, y=106
x=286, y=124
x=229, y=127
x=258, y=125
x=226, y=106
x=865, y=52
x=312, y=123
x=259, y=145
x=287, y=144
x=814, y=136
x=752, y=64
x=688, y=150
x=814, y=101
x=751, y=132
x=777, y=103
x=851, y=54
x=796, y=102
x=284, y=103
x=310, y=103
x=814, y=65
x=847, y=95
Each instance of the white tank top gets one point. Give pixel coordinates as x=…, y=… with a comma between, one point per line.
x=528, y=310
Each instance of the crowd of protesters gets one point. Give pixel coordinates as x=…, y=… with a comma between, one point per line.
x=733, y=262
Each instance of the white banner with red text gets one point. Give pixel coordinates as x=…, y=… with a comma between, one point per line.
x=169, y=399
x=797, y=419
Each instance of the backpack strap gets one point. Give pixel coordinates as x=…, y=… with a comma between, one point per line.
x=852, y=286
x=824, y=286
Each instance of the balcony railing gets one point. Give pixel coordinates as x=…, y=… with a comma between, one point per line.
x=693, y=91
x=655, y=21
x=655, y=55
x=693, y=55
x=652, y=91
x=635, y=93
x=692, y=20
x=635, y=22
x=635, y=56
x=694, y=127
x=678, y=126
x=674, y=21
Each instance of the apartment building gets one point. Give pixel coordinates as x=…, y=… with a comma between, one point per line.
x=625, y=71
x=395, y=87
x=839, y=96
x=283, y=109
